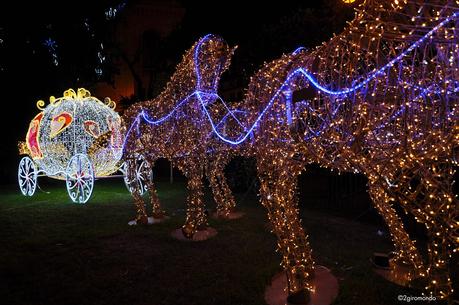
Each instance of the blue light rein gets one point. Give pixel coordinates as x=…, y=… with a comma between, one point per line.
x=298, y=50
x=299, y=72
x=196, y=59
x=151, y=121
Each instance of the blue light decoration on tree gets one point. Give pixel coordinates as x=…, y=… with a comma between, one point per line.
x=378, y=99
x=51, y=45
x=2, y=45
x=112, y=12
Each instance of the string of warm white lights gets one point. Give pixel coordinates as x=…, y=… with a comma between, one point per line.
x=379, y=99
x=393, y=128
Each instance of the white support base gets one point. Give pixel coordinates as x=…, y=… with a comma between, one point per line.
x=324, y=282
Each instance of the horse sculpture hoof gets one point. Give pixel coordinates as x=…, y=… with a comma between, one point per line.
x=325, y=289
x=204, y=234
x=200, y=235
x=154, y=220
x=144, y=220
x=132, y=223
x=301, y=297
x=230, y=216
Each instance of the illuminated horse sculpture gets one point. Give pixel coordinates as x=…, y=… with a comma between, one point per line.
x=379, y=99
x=180, y=133
x=391, y=114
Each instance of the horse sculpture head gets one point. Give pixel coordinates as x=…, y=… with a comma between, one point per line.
x=211, y=57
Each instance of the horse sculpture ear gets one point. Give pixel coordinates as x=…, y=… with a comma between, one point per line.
x=230, y=55
x=233, y=49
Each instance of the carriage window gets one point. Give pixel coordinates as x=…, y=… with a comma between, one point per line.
x=92, y=128
x=59, y=123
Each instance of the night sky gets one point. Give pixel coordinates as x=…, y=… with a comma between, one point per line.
x=35, y=36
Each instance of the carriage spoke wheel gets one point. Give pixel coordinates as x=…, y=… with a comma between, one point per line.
x=139, y=177
x=27, y=176
x=79, y=178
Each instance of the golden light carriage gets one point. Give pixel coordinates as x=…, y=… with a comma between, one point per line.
x=76, y=138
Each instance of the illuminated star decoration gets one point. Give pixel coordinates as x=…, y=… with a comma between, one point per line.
x=112, y=12
x=100, y=52
x=101, y=59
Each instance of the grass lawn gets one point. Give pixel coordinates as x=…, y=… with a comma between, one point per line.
x=56, y=252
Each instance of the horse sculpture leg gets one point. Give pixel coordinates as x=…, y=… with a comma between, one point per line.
x=405, y=249
x=157, y=213
x=278, y=181
x=442, y=210
x=426, y=192
x=196, y=216
x=220, y=189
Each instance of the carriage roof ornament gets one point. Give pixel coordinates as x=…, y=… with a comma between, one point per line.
x=80, y=95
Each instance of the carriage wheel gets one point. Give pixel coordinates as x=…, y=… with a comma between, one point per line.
x=27, y=176
x=79, y=178
x=142, y=174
